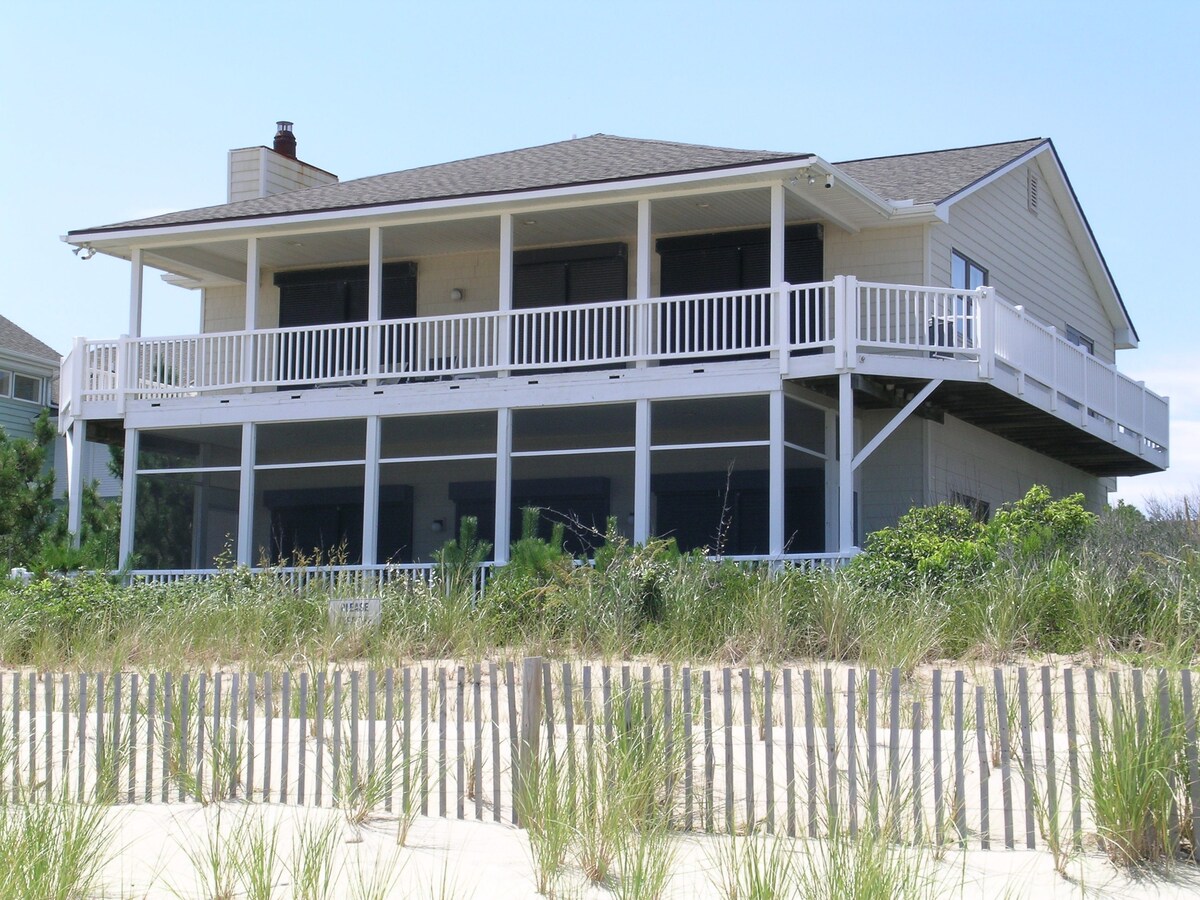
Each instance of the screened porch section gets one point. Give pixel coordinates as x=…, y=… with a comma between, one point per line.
x=394, y=490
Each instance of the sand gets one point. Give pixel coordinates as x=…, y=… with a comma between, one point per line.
x=158, y=848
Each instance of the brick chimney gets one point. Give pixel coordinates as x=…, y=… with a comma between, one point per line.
x=261, y=171
x=285, y=140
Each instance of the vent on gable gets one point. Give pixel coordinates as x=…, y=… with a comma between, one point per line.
x=1031, y=190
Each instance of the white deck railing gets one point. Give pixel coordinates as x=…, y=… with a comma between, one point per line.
x=843, y=317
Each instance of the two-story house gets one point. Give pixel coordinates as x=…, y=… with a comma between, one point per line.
x=761, y=353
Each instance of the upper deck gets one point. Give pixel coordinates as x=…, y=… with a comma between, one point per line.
x=803, y=331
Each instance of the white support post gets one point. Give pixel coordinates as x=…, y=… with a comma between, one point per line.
x=504, y=327
x=75, y=439
x=1053, y=369
x=245, y=534
x=125, y=367
x=370, y=529
x=850, y=312
x=251, y=320
x=503, y=484
x=845, y=463
x=135, y=292
x=779, y=318
x=777, y=476
x=128, y=497
x=374, y=310
x=641, y=472
x=1116, y=398
x=1142, y=424
x=985, y=315
x=832, y=538
x=642, y=325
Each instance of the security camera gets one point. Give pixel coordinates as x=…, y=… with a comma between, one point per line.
x=829, y=180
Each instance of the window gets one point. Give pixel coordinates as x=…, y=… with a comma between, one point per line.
x=559, y=276
x=5, y=382
x=980, y=509
x=965, y=273
x=27, y=387
x=1079, y=339
x=332, y=296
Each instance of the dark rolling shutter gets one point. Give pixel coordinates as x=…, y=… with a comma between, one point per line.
x=558, y=276
x=331, y=296
x=737, y=260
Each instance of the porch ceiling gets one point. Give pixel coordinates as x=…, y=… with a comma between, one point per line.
x=223, y=261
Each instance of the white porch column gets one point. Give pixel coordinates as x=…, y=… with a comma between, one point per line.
x=374, y=305
x=370, y=530
x=75, y=439
x=135, y=293
x=845, y=463
x=245, y=538
x=780, y=318
x=251, y=320
x=832, y=537
x=128, y=497
x=641, y=472
x=504, y=296
x=642, y=326
x=776, y=478
x=503, y=484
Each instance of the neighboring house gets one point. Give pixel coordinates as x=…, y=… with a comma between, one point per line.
x=29, y=384
x=761, y=353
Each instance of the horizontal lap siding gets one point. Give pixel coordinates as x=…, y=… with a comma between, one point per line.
x=971, y=461
x=892, y=479
x=891, y=255
x=1031, y=260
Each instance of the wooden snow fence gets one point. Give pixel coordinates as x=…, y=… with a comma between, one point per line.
x=1000, y=759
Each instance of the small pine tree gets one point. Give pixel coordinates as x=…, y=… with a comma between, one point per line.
x=26, y=493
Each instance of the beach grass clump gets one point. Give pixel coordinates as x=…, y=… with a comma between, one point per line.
x=312, y=865
x=756, y=866
x=867, y=866
x=54, y=849
x=1138, y=778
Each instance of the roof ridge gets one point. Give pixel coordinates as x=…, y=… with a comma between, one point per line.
x=944, y=150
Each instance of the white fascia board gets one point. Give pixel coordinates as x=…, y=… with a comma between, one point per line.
x=492, y=204
x=995, y=175
x=448, y=396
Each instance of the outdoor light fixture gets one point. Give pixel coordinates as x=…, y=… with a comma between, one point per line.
x=87, y=250
x=829, y=180
x=457, y=294
x=812, y=179
x=437, y=525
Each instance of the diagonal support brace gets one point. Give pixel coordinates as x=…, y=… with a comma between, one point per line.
x=897, y=420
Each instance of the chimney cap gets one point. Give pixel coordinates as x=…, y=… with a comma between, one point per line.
x=285, y=139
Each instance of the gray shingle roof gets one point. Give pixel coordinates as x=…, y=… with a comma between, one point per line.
x=921, y=177
x=935, y=176
x=18, y=340
x=587, y=160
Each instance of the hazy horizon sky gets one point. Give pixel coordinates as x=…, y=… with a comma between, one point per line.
x=122, y=110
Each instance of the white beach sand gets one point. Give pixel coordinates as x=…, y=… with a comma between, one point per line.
x=460, y=859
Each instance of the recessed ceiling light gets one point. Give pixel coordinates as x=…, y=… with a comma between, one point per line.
x=295, y=243
x=702, y=205
x=531, y=221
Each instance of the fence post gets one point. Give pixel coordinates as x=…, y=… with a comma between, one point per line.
x=531, y=718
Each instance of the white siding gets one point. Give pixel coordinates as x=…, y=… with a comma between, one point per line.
x=1031, y=259
x=223, y=309
x=892, y=479
x=971, y=461
x=260, y=172
x=891, y=255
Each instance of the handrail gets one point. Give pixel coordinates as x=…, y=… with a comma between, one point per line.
x=842, y=316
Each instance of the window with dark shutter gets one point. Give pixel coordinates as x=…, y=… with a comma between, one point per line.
x=558, y=276
x=738, y=260
x=330, y=296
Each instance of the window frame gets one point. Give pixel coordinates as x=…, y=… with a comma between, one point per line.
x=968, y=264
x=39, y=398
x=1079, y=339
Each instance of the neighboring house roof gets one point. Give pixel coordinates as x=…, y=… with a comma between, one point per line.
x=595, y=159
x=935, y=176
x=15, y=339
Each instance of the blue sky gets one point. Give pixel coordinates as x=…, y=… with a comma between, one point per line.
x=118, y=110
